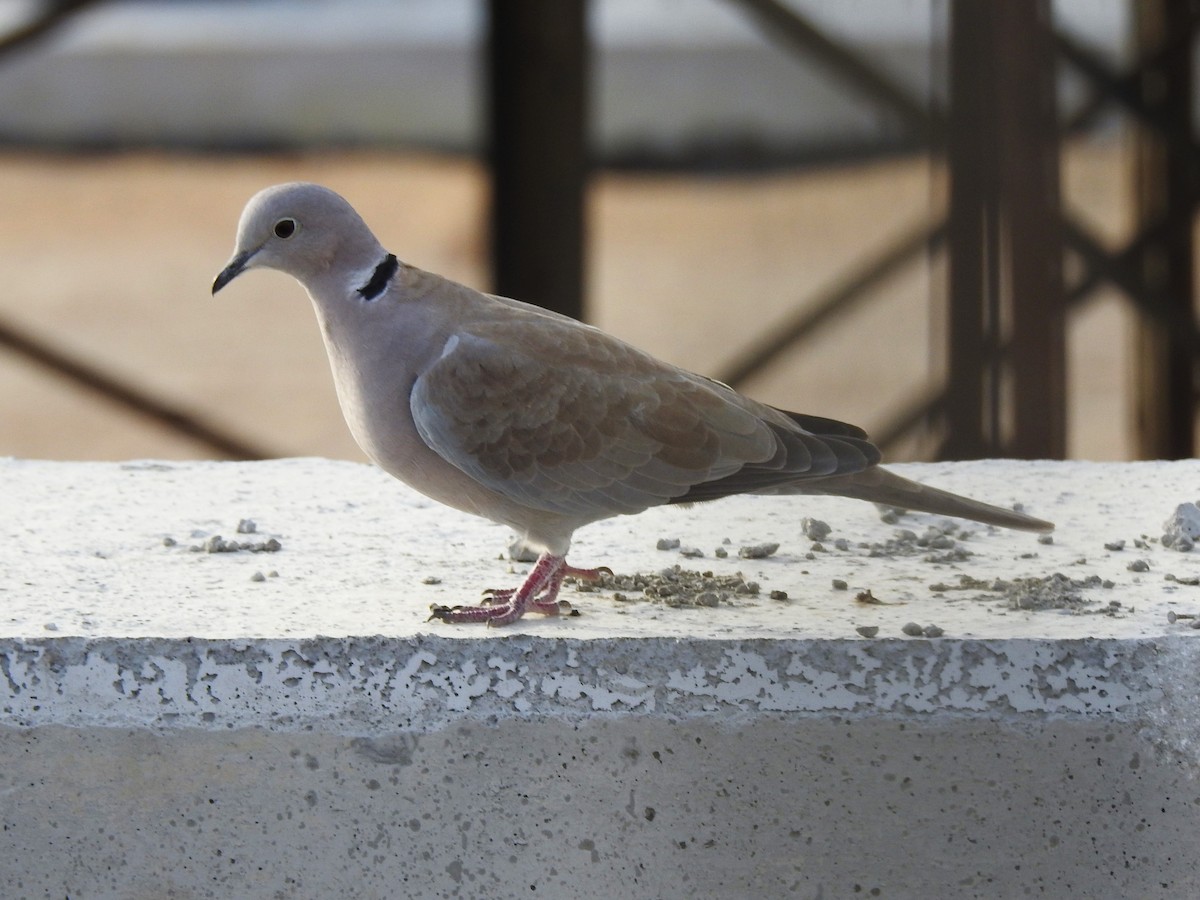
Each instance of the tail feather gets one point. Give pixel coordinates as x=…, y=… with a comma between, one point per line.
x=878, y=485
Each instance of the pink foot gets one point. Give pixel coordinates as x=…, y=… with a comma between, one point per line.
x=538, y=593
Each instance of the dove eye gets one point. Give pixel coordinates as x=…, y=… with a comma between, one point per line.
x=285, y=228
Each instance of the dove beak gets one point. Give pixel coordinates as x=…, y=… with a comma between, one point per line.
x=236, y=267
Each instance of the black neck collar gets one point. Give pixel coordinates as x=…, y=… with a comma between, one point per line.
x=379, y=278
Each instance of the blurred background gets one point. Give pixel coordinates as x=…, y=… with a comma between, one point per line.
x=967, y=227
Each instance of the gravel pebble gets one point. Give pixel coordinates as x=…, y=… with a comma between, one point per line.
x=912, y=629
x=757, y=551
x=815, y=529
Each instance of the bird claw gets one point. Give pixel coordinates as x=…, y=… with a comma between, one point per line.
x=496, y=595
x=539, y=593
x=589, y=574
x=490, y=615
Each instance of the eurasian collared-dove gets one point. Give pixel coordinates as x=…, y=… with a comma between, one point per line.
x=533, y=419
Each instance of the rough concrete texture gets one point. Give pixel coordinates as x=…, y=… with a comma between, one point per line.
x=172, y=727
x=613, y=807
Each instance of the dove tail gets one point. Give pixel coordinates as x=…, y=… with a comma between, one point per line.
x=878, y=485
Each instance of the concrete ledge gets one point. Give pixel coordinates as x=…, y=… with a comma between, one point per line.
x=176, y=724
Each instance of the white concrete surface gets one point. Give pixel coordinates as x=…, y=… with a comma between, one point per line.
x=174, y=726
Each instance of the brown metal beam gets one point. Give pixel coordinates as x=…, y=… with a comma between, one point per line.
x=1165, y=387
x=1029, y=189
x=837, y=300
x=1007, y=373
x=127, y=395
x=784, y=24
x=51, y=15
x=537, y=69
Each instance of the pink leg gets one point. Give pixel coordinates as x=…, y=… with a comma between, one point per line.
x=539, y=593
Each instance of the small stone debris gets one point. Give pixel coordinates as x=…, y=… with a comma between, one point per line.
x=938, y=544
x=933, y=631
x=169, y=542
x=667, y=544
x=680, y=587
x=912, y=629
x=431, y=579
x=868, y=598
x=1045, y=539
x=839, y=584
x=1182, y=529
x=868, y=631
x=890, y=515
x=218, y=544
x=815, y=529
x=841, y=544
x=1138, y=565
x=519, y=551
x=1115, y=546
x=247, y=526
x=258, y=576
x=757, y=551
x=721, y=553
x=1193, y=581
x=778, y=595
x=691, y=552
x=1056, y=591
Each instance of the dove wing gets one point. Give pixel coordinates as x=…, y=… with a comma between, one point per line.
x=561, y=417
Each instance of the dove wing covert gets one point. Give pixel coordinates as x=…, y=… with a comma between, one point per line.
x=572, y=421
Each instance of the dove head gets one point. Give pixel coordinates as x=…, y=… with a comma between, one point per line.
x=304, y=230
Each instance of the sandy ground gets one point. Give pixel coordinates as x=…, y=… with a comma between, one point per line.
x=111, y=258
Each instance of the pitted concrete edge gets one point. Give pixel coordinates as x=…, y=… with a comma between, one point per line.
x=365, y=686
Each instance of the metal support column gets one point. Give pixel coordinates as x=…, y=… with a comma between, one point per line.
x=1007, y=374
x=537, y=69
x=1167, y=180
